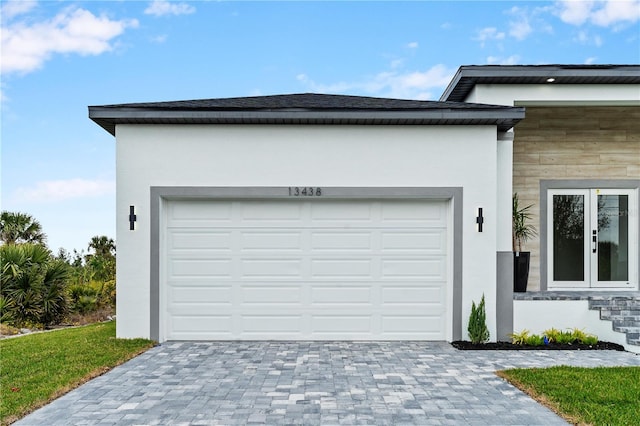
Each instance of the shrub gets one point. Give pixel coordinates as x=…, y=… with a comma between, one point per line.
x=534, y=340
x=565, y=337
x=478, y=332
x=32, y=285
x=552, y=334
x=590, y=339
x=520, y=338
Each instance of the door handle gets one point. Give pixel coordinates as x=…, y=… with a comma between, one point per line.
x=594, y=240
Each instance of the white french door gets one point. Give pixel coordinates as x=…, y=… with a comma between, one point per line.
x=592, y=238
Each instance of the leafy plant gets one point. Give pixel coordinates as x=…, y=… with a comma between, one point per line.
x=565, y=337
x=590, y=339
x=534, y=340
x=552, y=334
x=522, y=230
x=578, y=334
x=33, y=284
x=520, y=338
x=478, y=331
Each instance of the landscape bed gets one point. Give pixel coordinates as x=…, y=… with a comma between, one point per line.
x=507, y=346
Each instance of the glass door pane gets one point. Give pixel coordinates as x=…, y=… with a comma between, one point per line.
x=568, y=237
x=613, y=237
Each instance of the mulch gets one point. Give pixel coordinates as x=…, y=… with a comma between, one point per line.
x=507, y=346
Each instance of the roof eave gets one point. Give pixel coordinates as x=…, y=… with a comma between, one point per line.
x=108, y=118
x=469, y=76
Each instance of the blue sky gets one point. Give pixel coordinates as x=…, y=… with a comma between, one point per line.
x=58, y=57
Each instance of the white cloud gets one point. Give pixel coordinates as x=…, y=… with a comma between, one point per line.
x=590, y=60
x=575, y=12
x=583, y=37
x=159, y=39
x=413, y=45
x=14, y=8
x=58, y=190
x=27, y=45
x=520, y=27
x=496, y=60
x=489, y=33
x=393, y=84
x=604, y=13
x=165, y=7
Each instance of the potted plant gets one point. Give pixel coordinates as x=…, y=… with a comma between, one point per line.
x=522, y=232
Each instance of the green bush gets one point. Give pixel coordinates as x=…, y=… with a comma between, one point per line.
x=534, y=340
x=552, y=334
x=32, y=285
x=520, y=338
x=478, y=331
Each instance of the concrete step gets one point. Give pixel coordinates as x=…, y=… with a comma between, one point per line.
x=624, y=314
x=607, y=314
x=626, y=329
x=614, y=304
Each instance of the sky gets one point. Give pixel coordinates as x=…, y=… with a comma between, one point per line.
x=59, y=57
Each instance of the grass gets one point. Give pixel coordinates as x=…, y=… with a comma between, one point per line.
x=40, y=367
x=597, y=396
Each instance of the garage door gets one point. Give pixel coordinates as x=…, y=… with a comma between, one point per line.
x=315, y=270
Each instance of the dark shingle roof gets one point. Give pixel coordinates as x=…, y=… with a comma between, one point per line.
x=305, y=108
x=470, y=75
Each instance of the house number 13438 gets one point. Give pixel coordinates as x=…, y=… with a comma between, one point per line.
x=305, y=191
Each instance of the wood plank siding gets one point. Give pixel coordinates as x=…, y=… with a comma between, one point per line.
x=591, y=142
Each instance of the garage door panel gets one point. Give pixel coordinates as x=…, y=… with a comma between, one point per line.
x=341, y=268
x=271, y=295
x=271, y=241
x=343, y=212
x=205, y=324
x=416, y=268
x=253, y=212
x=273, y=324
x=214, y=295
x=273, y=269
x=200, y=240
x=195, y=211
x=415, y=241
x=416, y=324
x=327, y=241
x=341, y=324
x=405, y=295
x=341, y=294
x=214, y=268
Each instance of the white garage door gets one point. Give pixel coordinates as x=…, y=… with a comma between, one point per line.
x=318, y=270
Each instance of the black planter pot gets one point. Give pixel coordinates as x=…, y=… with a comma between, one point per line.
x=520, y=271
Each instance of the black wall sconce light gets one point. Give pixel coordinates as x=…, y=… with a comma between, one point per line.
x=479, y=219
x=132, y=218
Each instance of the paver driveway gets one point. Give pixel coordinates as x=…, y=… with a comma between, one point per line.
x=314, y=383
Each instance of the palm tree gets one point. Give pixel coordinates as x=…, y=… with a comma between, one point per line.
x=17, y=228
x=103, y=246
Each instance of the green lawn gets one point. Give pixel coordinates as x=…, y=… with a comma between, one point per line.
x=597, y=396
x=40, y=367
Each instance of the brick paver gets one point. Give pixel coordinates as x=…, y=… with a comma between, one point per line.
x=309, y=383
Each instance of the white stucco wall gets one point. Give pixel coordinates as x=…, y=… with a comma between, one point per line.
x=353, y=156
x=556, y=94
